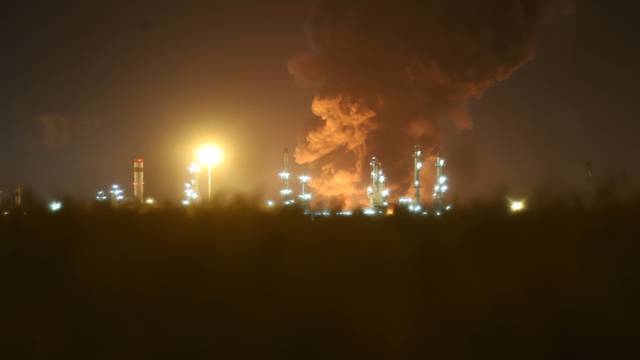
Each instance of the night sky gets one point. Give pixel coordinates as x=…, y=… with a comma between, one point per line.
x=85, y=87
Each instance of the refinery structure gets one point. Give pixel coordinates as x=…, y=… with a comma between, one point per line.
x=295, y=190
x=377, y=192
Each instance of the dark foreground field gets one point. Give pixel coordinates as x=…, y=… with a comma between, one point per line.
x=557, y=283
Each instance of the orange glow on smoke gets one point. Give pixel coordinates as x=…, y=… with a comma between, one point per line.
x=345, y=128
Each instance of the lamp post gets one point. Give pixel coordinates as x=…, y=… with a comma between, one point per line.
x=209, y=155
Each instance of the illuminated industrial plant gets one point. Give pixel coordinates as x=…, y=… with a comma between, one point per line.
x=441, y=187
x=194, y=171
x=285, y=175
x=377, y=191
x=102, y=196
x=117, y=194
x=190, y=193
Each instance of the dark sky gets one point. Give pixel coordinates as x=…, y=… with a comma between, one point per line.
x=87, y=86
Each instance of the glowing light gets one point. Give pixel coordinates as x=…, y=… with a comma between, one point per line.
x=284, y=175
x=194, y=168
x=441, y=162
x=369, y=212
x=271, y=203
x=385, y=193
x=306, y=196
x=516, y=206
x=286, y=191
x=304, y=179
x=345, y=213
x=419, y=165
x=210, y=155
x=405, y=200
x=55, y=206
x=442, y=180
x=117, y=193
x=150, y=201
x=101, y=196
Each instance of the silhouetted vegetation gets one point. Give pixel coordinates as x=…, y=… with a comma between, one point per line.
x=559, y=281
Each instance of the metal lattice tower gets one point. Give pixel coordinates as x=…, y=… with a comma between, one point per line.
x=418, y=165
x=285, y=175
x=305, y=196
x=377, y=191
x=441, y=187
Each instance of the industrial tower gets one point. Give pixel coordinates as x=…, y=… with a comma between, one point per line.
x=441, y=187
x=305, y=197
x=138, y=180
x=418, y=164
x=377, y=191
x=285, y=175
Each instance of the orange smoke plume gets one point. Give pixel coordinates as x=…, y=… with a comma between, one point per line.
x=345, y=128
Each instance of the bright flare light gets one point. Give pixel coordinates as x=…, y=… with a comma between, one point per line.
x=516, y=206
x=210, y=155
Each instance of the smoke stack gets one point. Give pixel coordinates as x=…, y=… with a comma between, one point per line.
x=138, y=180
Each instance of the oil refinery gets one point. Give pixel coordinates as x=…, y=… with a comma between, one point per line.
x=296, y=191
x=377, y=192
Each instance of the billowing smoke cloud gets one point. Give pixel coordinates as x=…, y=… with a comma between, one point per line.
x=386, y=73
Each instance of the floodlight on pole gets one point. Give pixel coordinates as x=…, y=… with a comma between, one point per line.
x=210, y=156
